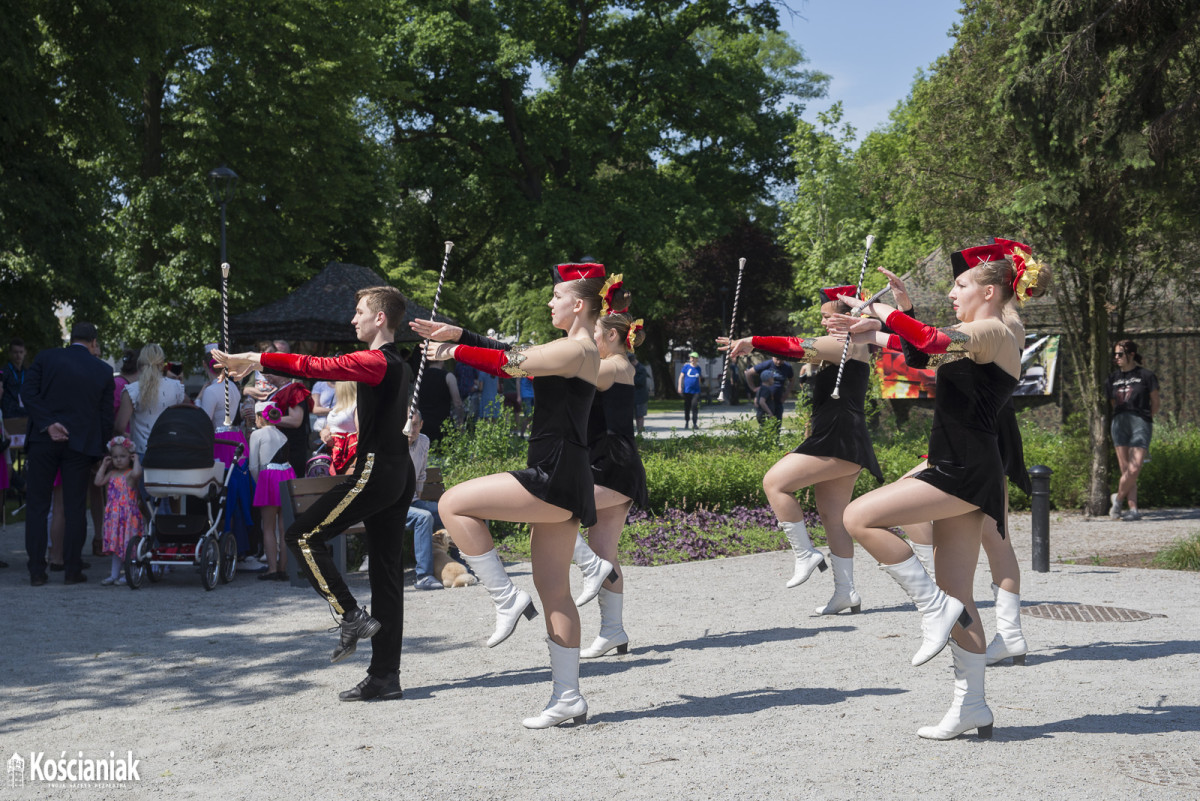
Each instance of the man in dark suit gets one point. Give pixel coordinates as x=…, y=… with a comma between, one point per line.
x=69, y=397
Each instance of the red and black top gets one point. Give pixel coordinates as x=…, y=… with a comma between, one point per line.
x=382, y=388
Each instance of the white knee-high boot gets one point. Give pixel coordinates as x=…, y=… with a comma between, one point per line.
x=939, y=612
x=808, y=558
x=511, y=603
x=925, y=554
x=844, y=594
x=969, y=710
x=595, y=570
x=612, y=632
x=1009, y=641
x=566, y=702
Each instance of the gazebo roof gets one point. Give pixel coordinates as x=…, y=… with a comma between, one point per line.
x=320, y=310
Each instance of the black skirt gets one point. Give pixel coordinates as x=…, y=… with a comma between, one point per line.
x=559, y=469
x=839, y=427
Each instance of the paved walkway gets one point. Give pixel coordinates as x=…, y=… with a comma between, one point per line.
x=712, y=418
x=731, y=690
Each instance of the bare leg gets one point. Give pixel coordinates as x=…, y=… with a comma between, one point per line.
x=1002, y=559
x=794, y=472
x=902, y=503
x=832, y=497
x=466, y=507
x=920, y=533
x=270, y=514
x=1129, y=476
x=956, y=541
x=612, y=509
x=868, y=519
x=552, y=545
x=1123, y=466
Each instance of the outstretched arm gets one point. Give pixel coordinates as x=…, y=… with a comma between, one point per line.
x=563, y=357
x=806, y=349
x=363, y=366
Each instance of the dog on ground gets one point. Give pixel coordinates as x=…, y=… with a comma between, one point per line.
x=448, y=571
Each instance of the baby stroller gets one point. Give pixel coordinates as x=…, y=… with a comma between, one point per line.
x=179, y=464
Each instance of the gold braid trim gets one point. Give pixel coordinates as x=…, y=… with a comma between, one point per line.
x=958, y=340
x=513, y=367
x=809, y=345
x=613, y=282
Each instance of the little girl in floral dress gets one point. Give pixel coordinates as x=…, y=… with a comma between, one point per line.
x=120, y=471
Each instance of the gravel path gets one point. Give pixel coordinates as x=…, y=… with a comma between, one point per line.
x=731, y=689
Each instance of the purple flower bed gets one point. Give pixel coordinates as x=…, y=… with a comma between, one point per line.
x=679, y=536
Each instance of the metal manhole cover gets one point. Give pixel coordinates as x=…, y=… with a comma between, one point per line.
x=1163, y=769
x=1086, y=613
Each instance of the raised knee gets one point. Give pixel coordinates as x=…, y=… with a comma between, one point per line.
x=855, y=519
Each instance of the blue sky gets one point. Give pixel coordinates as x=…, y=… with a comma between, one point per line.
x=870, y=48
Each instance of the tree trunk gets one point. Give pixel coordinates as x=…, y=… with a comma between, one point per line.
x=1096, y=369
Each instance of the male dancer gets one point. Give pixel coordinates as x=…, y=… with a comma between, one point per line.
x=379, y=494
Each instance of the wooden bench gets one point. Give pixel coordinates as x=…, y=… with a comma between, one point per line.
x=297, y=494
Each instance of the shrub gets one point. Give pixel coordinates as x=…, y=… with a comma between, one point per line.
x=683, y=536
x=1181, y=555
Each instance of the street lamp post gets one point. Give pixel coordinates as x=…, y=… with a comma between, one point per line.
x=221, y=182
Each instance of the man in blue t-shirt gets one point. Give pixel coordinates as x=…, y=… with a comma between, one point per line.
x=688, y=387
x=784, y=375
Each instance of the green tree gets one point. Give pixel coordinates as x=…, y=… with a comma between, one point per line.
x=535, y=133
x=1071, y=127
x=834, y=206
x=155, y=94
x=49, y=247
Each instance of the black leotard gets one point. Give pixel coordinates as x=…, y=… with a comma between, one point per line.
x=964, y=454
x=559, y=468
x=839, y=427
x=614, y=454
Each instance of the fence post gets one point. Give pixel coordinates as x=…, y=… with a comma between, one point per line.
x=1040, y=506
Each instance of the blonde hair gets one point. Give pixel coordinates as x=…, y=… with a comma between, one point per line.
x=1000, y=274
x=621, y=322
x=150, y=372
x=345, y=395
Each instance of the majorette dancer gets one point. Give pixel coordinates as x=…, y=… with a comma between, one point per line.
x=1009, y=640
x=830, y=459
x=554, y=493
x=979, y=365
x=616, y=468
x=378, y=495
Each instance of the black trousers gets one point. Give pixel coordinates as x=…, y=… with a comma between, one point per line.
x=378, y=497
x=43, y=461
x=691, y=406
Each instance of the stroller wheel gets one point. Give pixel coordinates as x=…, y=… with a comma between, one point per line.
x=210, y=563
x=228, y=546
x=135, y=568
